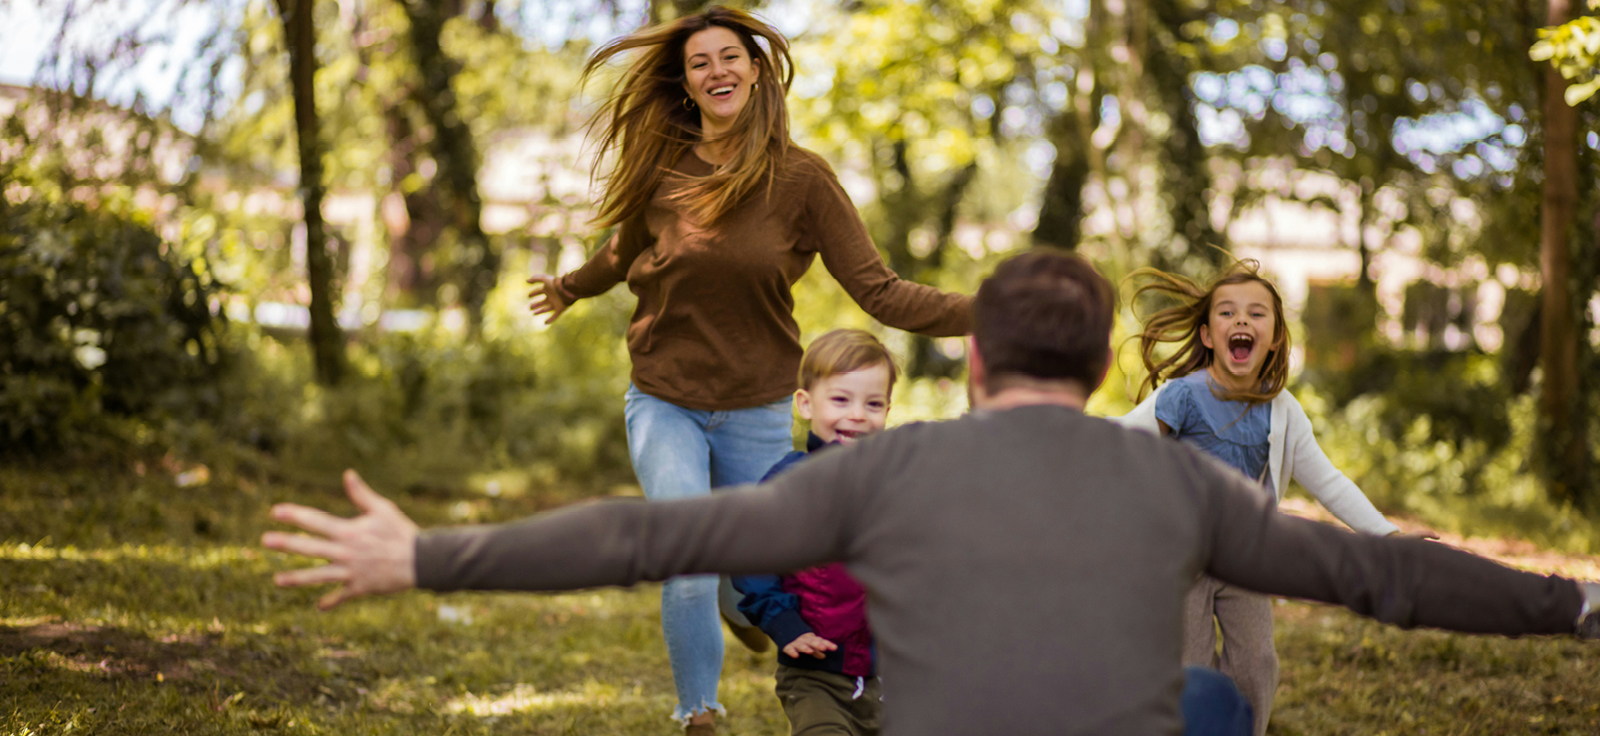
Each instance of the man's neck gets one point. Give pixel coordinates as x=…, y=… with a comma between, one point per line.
x=1011, y=398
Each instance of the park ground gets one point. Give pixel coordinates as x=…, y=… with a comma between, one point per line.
x=134, y=600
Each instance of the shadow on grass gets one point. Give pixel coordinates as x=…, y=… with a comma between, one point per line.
x=195, y=664
x=236, y=590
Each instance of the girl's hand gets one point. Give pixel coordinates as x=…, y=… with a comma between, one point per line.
x=809, y=643
x=546, y=297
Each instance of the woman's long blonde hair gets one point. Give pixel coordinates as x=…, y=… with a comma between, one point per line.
x=1181, y=324
x=647, y=124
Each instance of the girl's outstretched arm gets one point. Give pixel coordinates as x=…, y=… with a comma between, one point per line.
x=1331, y=488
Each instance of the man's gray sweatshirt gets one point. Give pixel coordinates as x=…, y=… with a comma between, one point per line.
x=1025, y=568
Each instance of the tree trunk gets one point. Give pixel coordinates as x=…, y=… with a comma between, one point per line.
x=1060, y=222
x=1558, y=338
x=1364, y=282
x=456, y=155
x=327, y=343
x=412, y=237
x=926, y=359
x=902, y=205
x=1185, y=175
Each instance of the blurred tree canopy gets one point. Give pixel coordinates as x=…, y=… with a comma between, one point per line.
x=1141, y=132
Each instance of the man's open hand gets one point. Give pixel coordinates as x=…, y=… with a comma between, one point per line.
x=371, y=554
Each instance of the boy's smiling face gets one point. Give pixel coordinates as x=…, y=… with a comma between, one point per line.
x=846, y=406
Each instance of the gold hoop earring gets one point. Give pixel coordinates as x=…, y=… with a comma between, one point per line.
x=688, y=104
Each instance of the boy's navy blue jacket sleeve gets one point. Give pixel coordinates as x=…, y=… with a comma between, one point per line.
x=765, y=603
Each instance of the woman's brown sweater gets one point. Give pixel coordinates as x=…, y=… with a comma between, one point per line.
x=715, y=328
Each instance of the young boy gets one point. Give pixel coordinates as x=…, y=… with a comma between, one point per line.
x=818, y=616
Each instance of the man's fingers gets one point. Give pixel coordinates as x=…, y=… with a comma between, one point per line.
x=312, y=520
x=335, y=597
x=312, y=576
x=300, y=544
x=362, y=494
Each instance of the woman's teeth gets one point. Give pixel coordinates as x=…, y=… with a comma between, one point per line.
x=722, y=91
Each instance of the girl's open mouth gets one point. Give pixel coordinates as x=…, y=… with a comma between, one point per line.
x=1240, y=346
x=723, y=92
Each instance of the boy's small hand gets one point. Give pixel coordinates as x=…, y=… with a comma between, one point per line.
x=809, y=643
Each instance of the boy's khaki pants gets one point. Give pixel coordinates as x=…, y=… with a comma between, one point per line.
x=828, y=704
x=1247, y=652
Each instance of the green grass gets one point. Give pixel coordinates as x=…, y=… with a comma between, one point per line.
x=130, y=605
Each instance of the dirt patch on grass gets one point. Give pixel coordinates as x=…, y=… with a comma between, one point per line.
x=198, y=662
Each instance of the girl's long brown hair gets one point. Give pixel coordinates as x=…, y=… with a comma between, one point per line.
x=645, y=122
x=1181, y=324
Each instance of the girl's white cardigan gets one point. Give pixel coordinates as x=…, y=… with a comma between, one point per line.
x=1293, y=453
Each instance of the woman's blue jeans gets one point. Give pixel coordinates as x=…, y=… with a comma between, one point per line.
x=683, y=453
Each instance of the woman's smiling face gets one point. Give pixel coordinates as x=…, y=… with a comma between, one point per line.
x=718, y=75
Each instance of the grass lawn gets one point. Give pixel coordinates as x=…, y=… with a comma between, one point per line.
x=131, y=605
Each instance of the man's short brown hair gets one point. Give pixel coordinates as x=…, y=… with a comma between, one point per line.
x=1045, y=315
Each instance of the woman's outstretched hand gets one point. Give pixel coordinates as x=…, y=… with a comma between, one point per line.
x=371, y=554
x=546, y=297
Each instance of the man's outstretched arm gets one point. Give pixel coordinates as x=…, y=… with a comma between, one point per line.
x=1403, y=581
x=371, y=554
x=797, y=521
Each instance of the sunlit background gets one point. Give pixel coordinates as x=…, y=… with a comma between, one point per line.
x=1391, y=163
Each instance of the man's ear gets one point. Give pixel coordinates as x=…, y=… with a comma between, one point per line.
x=977, y=374
x=976, y=371
x=1111, y=355
x=802, y=403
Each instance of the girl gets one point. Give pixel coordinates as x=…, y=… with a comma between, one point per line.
x=717, y=214
x=1224, y=394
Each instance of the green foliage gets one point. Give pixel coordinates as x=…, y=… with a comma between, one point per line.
x=1459, y=392
x=98, y=317
x=432, y=408
x=1574, y=49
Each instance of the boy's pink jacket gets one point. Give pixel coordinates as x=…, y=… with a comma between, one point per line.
x=824, y=600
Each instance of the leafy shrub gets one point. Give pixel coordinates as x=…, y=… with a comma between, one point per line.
x=98, y=319
x=432, y=409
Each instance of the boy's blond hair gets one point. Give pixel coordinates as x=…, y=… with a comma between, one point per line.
x=844, y=351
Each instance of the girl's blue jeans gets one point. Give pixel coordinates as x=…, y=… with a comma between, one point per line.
x=683, y=453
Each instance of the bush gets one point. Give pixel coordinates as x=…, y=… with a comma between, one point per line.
x=99, y=319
